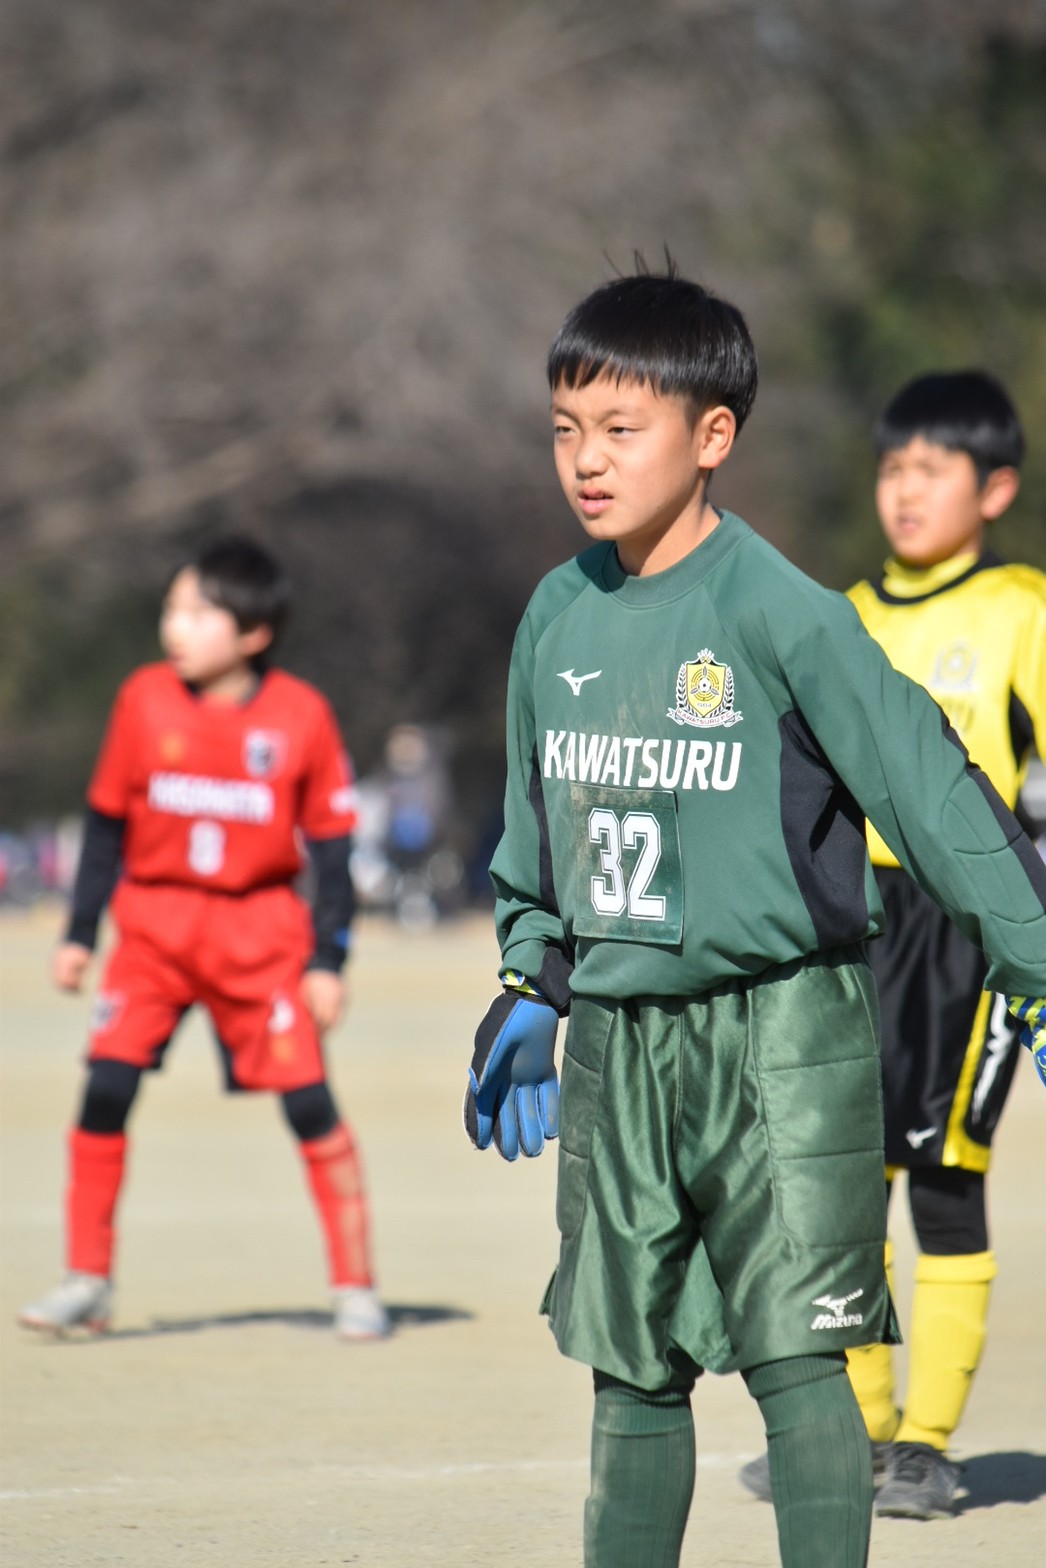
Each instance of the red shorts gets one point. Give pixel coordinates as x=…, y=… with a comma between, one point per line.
x=242, y=957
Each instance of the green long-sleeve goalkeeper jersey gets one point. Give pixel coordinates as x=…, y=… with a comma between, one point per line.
x=690, y=760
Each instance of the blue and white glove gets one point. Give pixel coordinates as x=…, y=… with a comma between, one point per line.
x=1030, y=1012
x=512, y=1097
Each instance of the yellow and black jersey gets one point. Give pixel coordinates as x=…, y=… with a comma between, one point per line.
x=972, y=631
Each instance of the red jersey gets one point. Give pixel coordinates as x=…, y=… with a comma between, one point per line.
x=216, y=795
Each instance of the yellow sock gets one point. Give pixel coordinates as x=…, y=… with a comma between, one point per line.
x=871, y=1374
x=949, y=1318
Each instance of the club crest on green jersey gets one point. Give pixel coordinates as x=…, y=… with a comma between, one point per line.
x=705, y=693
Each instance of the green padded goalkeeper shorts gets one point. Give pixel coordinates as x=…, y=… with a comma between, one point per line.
x=721, y=1199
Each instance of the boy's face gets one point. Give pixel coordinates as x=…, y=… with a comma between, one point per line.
x=634, y=467
x=203, y=643
x=931, y=503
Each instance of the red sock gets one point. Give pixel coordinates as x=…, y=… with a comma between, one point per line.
x=96, y=1166
x=336, y=1180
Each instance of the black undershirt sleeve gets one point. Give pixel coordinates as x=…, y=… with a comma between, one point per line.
x=333, y=901
x=95, y=876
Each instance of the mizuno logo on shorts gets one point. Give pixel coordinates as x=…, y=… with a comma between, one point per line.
x=835, y=1314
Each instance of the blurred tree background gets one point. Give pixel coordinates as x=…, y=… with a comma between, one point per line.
x=292, y=269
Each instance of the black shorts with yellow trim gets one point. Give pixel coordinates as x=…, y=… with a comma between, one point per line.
x=721, y=1200
x=949, y=1048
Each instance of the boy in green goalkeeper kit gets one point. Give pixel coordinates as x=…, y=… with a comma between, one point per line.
x=695, y=734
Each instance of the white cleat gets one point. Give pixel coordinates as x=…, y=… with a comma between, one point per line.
x=358, y=1314
x=81, y=1301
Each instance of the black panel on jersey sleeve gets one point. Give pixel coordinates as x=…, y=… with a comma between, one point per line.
x=536, y=796
x=1022, y=730
x=558, y=964
x=1028, y=856
x=823, y=829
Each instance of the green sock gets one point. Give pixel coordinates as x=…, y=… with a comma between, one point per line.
x=642, y=1476
x=820, y=1461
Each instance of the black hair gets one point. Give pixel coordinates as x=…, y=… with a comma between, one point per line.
x=962, y=410
x=239, y=576
x=664, y=331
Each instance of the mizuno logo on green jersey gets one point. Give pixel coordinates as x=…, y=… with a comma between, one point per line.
x=634, y=763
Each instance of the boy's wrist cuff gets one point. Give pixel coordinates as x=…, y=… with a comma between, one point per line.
x=515, y=980
x=329, y=959
x=83, y=930
x=553, y=982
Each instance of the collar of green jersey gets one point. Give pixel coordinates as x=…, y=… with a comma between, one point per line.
x=675, y=581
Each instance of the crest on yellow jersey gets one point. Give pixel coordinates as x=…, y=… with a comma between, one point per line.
x=955, y=667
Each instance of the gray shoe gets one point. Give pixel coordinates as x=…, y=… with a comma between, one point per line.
x=755, y=1476
x=921, y=1485
x=81, y=1301
x=358, y=1314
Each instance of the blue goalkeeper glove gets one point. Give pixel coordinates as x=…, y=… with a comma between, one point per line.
x=512, y=1097
x=1030, y=1012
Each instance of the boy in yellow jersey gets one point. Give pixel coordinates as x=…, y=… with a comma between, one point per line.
x=972, y=630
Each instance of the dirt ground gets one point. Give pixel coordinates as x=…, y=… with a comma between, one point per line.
x=220, y=1422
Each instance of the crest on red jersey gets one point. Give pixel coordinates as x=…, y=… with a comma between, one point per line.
x=264, y=752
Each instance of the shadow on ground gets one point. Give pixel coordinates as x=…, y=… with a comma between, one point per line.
x=991, y=1479
x=403, y=1316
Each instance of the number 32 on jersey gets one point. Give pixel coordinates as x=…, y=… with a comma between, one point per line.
x=629, y=872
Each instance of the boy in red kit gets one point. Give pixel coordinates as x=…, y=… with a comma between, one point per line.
x=213, y=768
